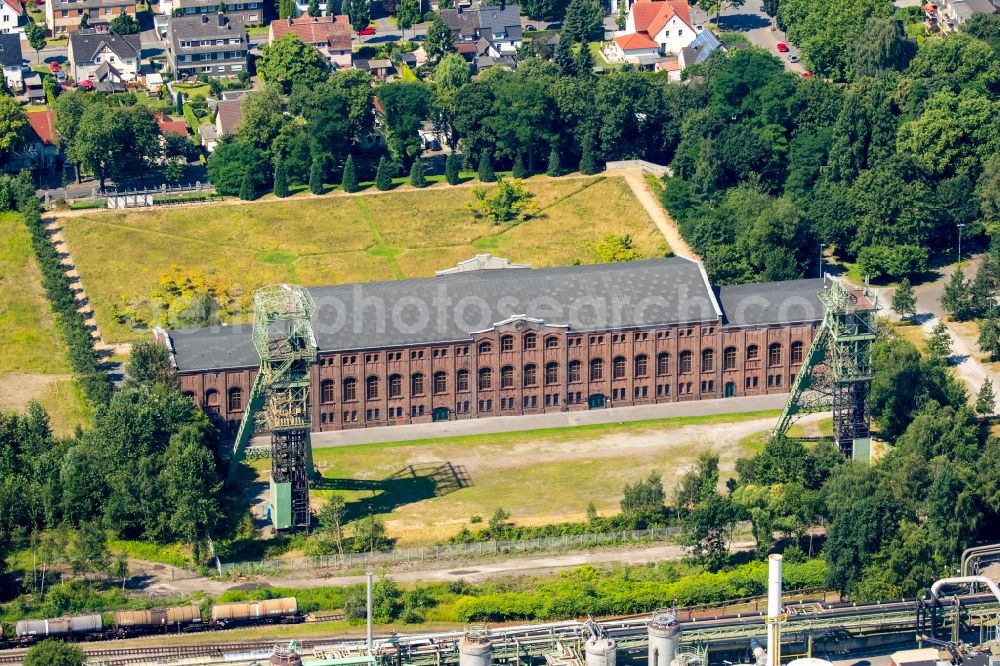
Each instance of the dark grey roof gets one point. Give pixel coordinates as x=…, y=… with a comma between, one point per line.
x=772, y=302
x=86, y=44
x=451, y=307
x=10, y=50
x=207, y=26
x=485, y=22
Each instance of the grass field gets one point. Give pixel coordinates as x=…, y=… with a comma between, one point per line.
x=338, y=239
x=540, y=477
x=32, y=359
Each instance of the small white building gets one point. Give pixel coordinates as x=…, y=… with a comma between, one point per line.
x=661, y=24
x=104, y=56
x=12, y=61
x=12, y=17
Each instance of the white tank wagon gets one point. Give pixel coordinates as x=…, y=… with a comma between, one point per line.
x=63, y=626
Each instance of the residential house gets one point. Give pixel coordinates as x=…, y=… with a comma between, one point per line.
x=663, y=23
x=956, y=12
x=499, y=26
x=40, y=149
x=33, y=89
x=104, y=56
x=63, y=16
x=12, y=60
x=331, y=35
x=12, y=17
x=379, y=69
x=700, y=48
x=214, y=44
x=168, y=125
x=251, y=11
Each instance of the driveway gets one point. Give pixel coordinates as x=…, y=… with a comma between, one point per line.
x=753, y=24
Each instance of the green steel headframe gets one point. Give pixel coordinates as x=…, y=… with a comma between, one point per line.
x=284, y=340
x=837, y=371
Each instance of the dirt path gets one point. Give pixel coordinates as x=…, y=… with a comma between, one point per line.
x=636, y=180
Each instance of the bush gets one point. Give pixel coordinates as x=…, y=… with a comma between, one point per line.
x=879, y=261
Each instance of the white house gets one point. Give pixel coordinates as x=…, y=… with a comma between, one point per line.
x=11, y=17
x=11, y=59
x=104, y=56
x=663, y=23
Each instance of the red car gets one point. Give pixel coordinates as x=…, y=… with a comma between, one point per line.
x=370, y=30
x=782, y=47
x=807, y=75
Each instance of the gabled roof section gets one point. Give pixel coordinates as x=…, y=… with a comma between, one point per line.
x=88, y=43
x=332, y=31
x=168, y=125
x=10, y=50
x=227, y=114
x=43, y=124
x=705, y=43
x=651, y=15
x=636, y=41
x=15, y=6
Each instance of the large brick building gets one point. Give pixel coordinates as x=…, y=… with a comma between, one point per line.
x=493, y=342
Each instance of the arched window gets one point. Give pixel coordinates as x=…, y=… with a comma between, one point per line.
x=462, y=380
x=350, y=389
x=189, y=395
x=485, y=379
x=685, y=362
x=506, y=377
x=774, y=354
x=485, y=347
x=752, y=352
x=551, y=373
x=729, y=358
x=417, y=383
x=327, y=391
x=618, y=367
x=573, y=374
x=797, y=352
x=235, y=399
x=507, y=343
x=212, y=398
x=596, y=370
x=371, y=388
x=663, y=364
x=530, y=341
x=395, y=386
x=641, y=365
x=708, y=360
x=440, y=382
x=551, y=342
x=530, y=376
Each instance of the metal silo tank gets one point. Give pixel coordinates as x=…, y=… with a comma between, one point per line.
x=601, y=651
x=475, y=648
x=664, y=636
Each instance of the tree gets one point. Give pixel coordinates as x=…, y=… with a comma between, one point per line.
x=54, y=652
x=331, y=518
x=451, y=169
x=584, y=21
x=588, y=160
x=359, y=12
x=290, y=61
x=286, y=9
x=149, y=363
x=120, y=569
x=697, y=484
x=314, y=8
x=519, y=169
x=583, y=62
x=989, y=337
x=904, y=301
x=955, y=298
x=231, y=161
x=644, y=500
x=369, y=535
x=316, y=172
x=439, y=40
x=986, y=402
x=717, y=6
x=939, y=341
x=248, y=190
x=706, y=530
x=12, y=126
x=84, y=21
x=507, y=201
x=554, y=167
x=88, y=550
x=117, y=141
x=280, y=179
x=191, y=487
x=563, y=56
x=35, y=34
x=333, y=7
x=485, y=172
x=349, y=181
x=621, y=18
x=882, y=45
x=417, y=174
x=498, y=524
x=406, y=105
x=125, y=24
x=383, y=176
x=613, y=248
x=407, y=14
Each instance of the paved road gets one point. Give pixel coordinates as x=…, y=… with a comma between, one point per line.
x=755, y=25
x=498, y=424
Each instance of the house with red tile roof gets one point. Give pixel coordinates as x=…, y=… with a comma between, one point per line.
x=168, y=125
x=331, y=35
x=12, y=17
x=40, y=148
x=661, y=24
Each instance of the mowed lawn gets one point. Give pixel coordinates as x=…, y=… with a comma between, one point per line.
x=33, y=362
x=540, y=477
x=338, y=239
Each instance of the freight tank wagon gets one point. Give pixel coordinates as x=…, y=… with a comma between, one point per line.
x=270, y=610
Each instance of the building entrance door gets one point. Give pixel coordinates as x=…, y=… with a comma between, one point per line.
x=730, y=389
x=595, y=401
x=440, y=414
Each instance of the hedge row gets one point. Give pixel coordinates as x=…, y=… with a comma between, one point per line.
x=578, y=597
x=71, y=323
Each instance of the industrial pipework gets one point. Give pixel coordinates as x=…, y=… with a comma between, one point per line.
x=775, y=612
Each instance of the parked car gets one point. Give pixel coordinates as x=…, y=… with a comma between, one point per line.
x=793, y=58
x=782, y=47
x=807, y=75
x=529, y=28
x=364, y=32
x=763, y=9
